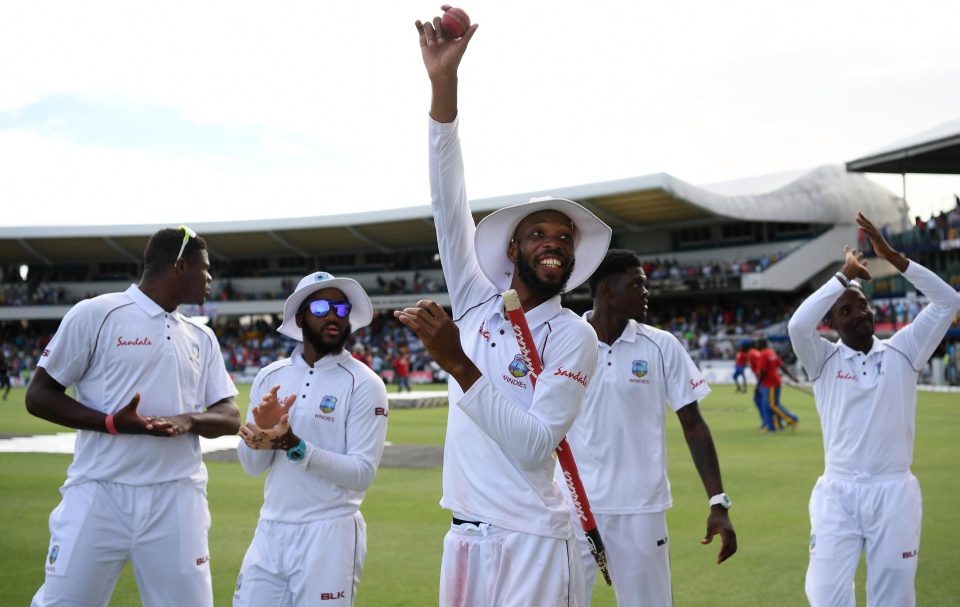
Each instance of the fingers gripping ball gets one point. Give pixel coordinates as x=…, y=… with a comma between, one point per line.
x=454, y=22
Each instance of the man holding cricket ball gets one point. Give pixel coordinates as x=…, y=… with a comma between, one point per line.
x=510, y=542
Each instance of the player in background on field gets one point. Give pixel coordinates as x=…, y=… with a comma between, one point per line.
x=620, y=444
x=866, y=395
x=770, y=385
x=317, y=422
x=739, y=366
x=510, y=542
x=755, y=362
x=148, y=382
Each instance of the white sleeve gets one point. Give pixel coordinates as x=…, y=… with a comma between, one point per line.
x=529, y=436
x=451, y=215
x=68, y=354
x=217, y=384
x=920, y=338
x=255, y=461
x=684, y=382
x=366, y=433
x=812, y=349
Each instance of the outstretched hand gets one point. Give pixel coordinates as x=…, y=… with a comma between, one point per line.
x=880, y=244
x=270, y=410
x=718, y=523
x=441, y=55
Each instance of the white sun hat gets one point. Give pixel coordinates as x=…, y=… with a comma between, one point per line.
x=590, y=240
x=361, y=311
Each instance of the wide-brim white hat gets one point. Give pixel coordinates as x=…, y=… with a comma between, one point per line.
x=590, y=240
x=361, y=312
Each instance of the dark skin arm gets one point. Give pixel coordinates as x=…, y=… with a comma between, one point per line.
x=47, y=399
x=704, y=454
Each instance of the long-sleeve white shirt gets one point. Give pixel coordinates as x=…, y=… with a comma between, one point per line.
x=341, y=414
x=498, y=464
x=867, y=402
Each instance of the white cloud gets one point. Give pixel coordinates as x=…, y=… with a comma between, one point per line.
x=552, y=94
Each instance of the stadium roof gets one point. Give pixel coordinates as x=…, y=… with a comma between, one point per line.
x=934, y=151
x=825, y=195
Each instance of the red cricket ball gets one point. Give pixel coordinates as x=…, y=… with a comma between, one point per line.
x=454, y=23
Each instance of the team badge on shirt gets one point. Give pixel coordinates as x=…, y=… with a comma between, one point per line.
x=639, y=368
x=518, y=368
x=54, y=553
x=195, y=352
x=328, y=404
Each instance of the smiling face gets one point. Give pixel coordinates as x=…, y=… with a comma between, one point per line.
x=323, y=334
x=542, y=251
x=852, y=317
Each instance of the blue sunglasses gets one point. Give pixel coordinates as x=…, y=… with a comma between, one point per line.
x=321, y=307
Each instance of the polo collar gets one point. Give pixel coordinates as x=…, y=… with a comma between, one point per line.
x=150, y=307
x=327, y=361
x=847, y=352
x=539, y=315
x=630, y=331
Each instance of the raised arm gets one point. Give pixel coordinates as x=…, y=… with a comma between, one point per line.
x=810, y=348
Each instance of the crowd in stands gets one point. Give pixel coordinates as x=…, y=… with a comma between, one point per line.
x=663, y=269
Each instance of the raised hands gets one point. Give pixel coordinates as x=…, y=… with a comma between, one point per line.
x=854, y=265
x=270, y=410
x=279, y=436
x=880, y=244
x=441, y=56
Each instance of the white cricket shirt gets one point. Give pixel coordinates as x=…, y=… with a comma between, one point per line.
x=501, y=434
x=115, y=345
x=341, y=413
x=867, y=402
x=619, y=437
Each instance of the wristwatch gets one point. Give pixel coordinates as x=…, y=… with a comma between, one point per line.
x=297, y=452
x=723, y=500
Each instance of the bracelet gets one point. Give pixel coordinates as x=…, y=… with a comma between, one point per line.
x=112, y=429
x=843, y=279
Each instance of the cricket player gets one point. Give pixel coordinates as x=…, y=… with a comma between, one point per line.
x=866, y=395
x=619, y=438
x=739, y=365
x=770, y=385
x=755, y=361
x=148, y=382
x=317, y=422
x=510, y=542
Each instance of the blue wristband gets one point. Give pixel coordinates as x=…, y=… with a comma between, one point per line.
x=297, y=452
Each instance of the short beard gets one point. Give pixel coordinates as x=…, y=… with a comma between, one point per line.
x=321, y=347
x=528, y=276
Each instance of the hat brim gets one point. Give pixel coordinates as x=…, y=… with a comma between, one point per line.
x=590, y=242
x=361, y=311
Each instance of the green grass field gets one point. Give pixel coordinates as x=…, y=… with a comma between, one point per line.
x=768, y=476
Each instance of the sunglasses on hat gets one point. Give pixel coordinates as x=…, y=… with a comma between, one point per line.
x=321, y=307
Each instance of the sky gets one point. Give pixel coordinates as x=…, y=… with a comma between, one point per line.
x=120, y=112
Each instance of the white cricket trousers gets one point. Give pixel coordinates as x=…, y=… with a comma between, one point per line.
x=847, y=515
x=638, y=557
x=99, y=526
x=303, y=564
x=486, y=566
